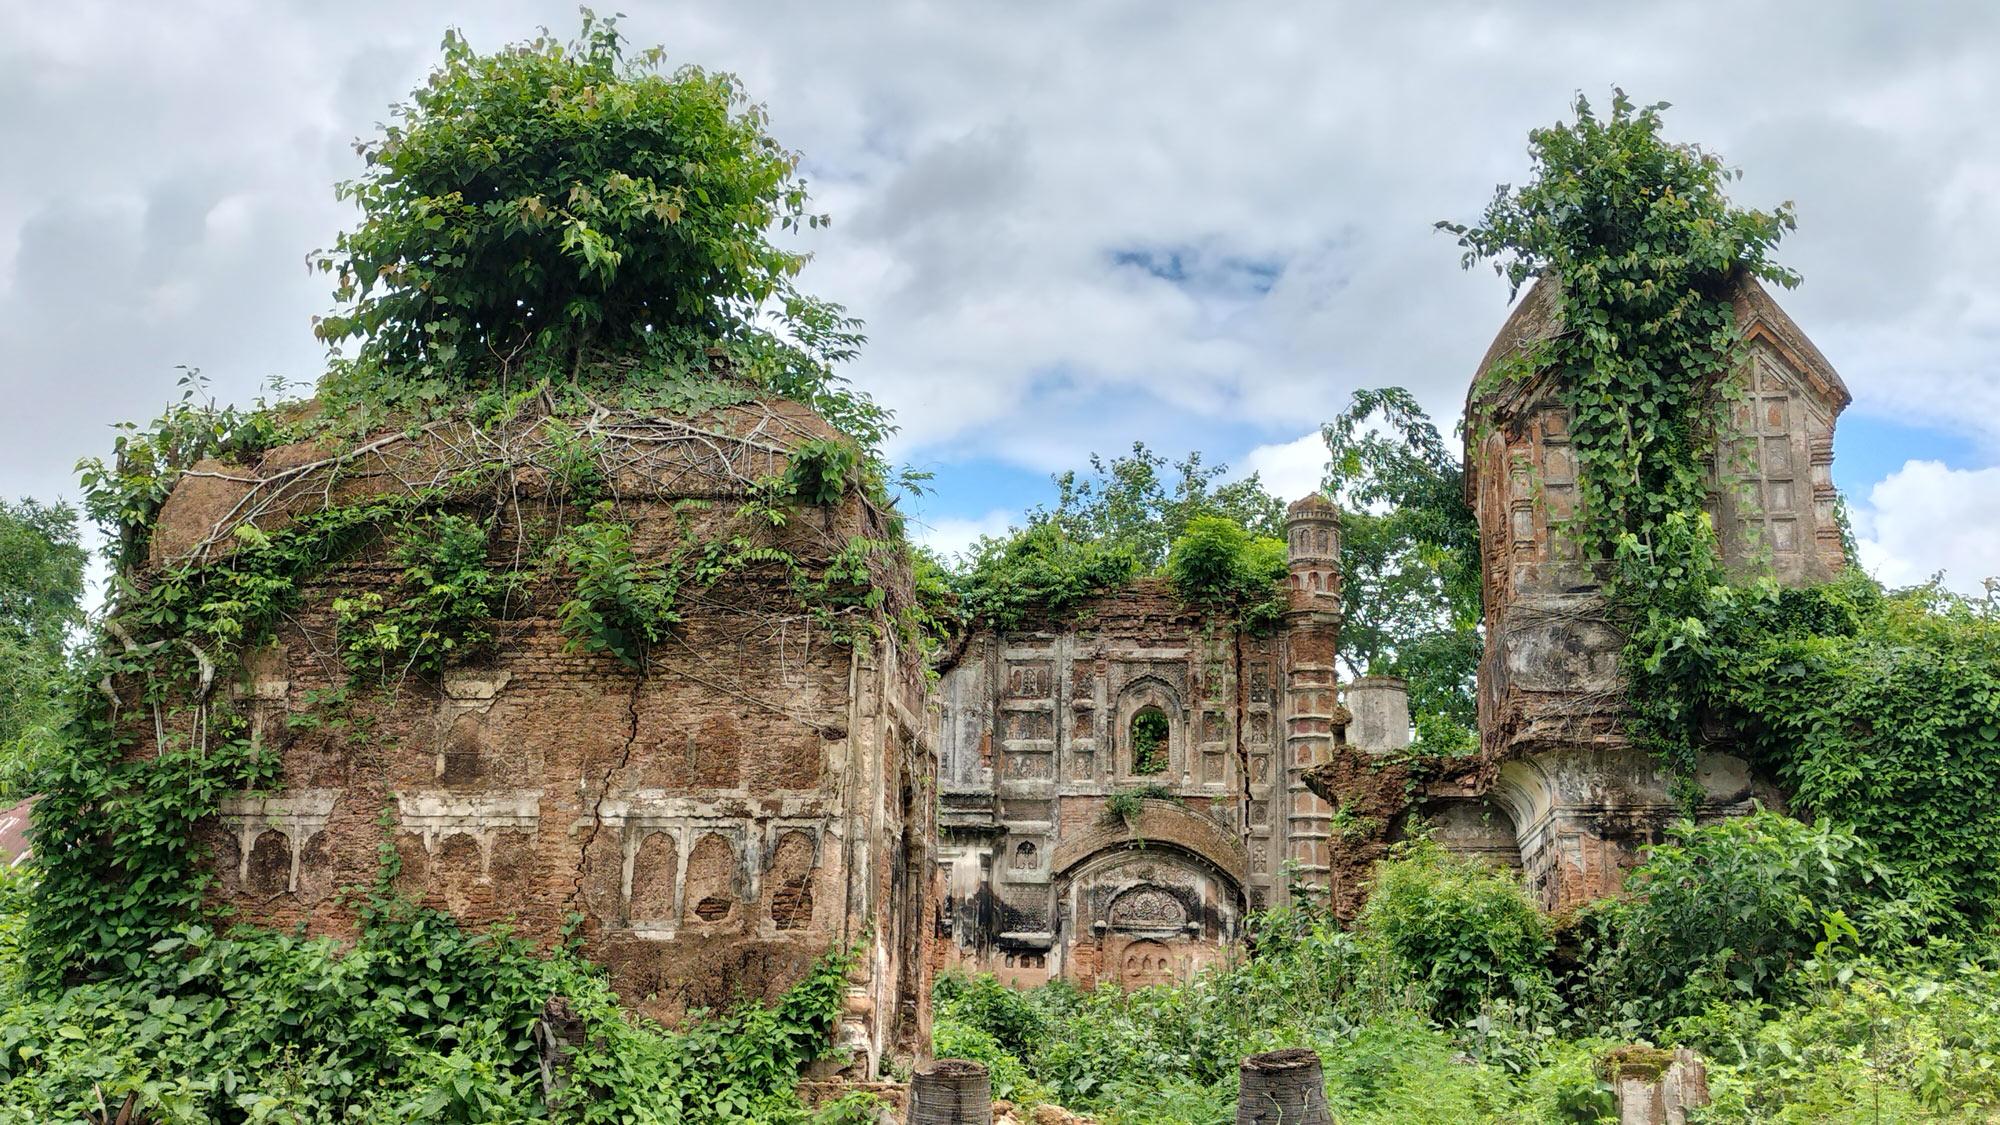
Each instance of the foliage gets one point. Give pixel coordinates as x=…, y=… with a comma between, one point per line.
x=1039, y=570
x=417, y=1019
x=1150, y=731
x=124, y=495
x=1410, y=593
x=115, y=844
x=41, y=584
x=622, y=606
x=448, y=596
x=1125, y=519
x=1463, y=932
x=1643, y=245
x=1876, y=1045
x=1216, y=562
x=1881, y=712
x=1735, y=910
x=560, y=212
x=1126, y=805
x=1169, y=1053
x=819, y=470
x=1141, y=504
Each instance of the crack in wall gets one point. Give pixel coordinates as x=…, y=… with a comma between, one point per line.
x=604, y=790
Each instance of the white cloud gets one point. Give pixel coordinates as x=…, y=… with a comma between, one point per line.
x=1001, y=179
x=1289, y=469
x=951, y=535
x=1926, y=517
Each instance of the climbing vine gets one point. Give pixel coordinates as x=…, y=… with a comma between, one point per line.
x=1642, y=245
x=444, y=606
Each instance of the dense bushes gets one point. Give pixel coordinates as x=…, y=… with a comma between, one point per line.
x=1775, y=948
x=41, y=584
x=1366, y=1000
x=1041, y=569
x=563, y=212
x=1881, y=712
x=419, y=1020
x=1459, y=931
x=1216, y=562
x=1871, y=1045
x=1735, y=910
x=1132, y=516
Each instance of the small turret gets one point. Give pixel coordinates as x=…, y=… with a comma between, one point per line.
x=1312, y=546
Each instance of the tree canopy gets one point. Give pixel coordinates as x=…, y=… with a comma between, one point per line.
x=1141, y=503
x=41, y=587
x=1126, y=517
x=560, y=211
x=1409, y=558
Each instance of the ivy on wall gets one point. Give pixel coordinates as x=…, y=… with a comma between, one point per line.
x=1644, y=245
x=1880, y=711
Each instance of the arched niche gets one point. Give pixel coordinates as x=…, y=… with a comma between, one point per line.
x=1138, y=703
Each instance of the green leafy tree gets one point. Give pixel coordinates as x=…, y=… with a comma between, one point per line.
x=1040, y=569
x=1216, y=562
x=1462, y=930
x=1876, y=711
x=1120, y=520
x=1409, y=559
x=41, y=585
x=1735, y=910
x=561, y=211
x=1140, y=503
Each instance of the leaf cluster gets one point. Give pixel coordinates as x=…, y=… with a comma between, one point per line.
x=1122, y=519
x=1215, y=562
x=1410, y=575
x=41, y=585
x=1040, y=570
x=417, y=1019
x=1463, y=932
x=446, y=600
x=561, y=211
x=123, y=495
x=1141, y=503
x=1737, y=910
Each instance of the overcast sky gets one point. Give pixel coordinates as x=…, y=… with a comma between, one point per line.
x=1068, y=226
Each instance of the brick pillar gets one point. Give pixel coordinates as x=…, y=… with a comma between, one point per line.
x=1314, y=719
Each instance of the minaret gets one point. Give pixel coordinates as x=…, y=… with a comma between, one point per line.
x=1314, y=720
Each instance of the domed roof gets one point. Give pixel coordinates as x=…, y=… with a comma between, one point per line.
x=1315, y=505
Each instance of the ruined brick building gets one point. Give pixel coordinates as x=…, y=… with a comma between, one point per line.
x=763, y=792
x=1101, y=795
x=1273, y=771
x=1556, y=789
x=1202, y=731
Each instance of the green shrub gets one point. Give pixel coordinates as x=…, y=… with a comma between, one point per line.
x=1883, y=713
x=1735, y=910
x=951, y=1039
x=1216, y=562
x=416, y=1020
x=1882, y=1046
x=1462, y=931
x=447, y=598
x=1015, y=1021
x=563, y=212
x=1149, y=741
x=1040, y=570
